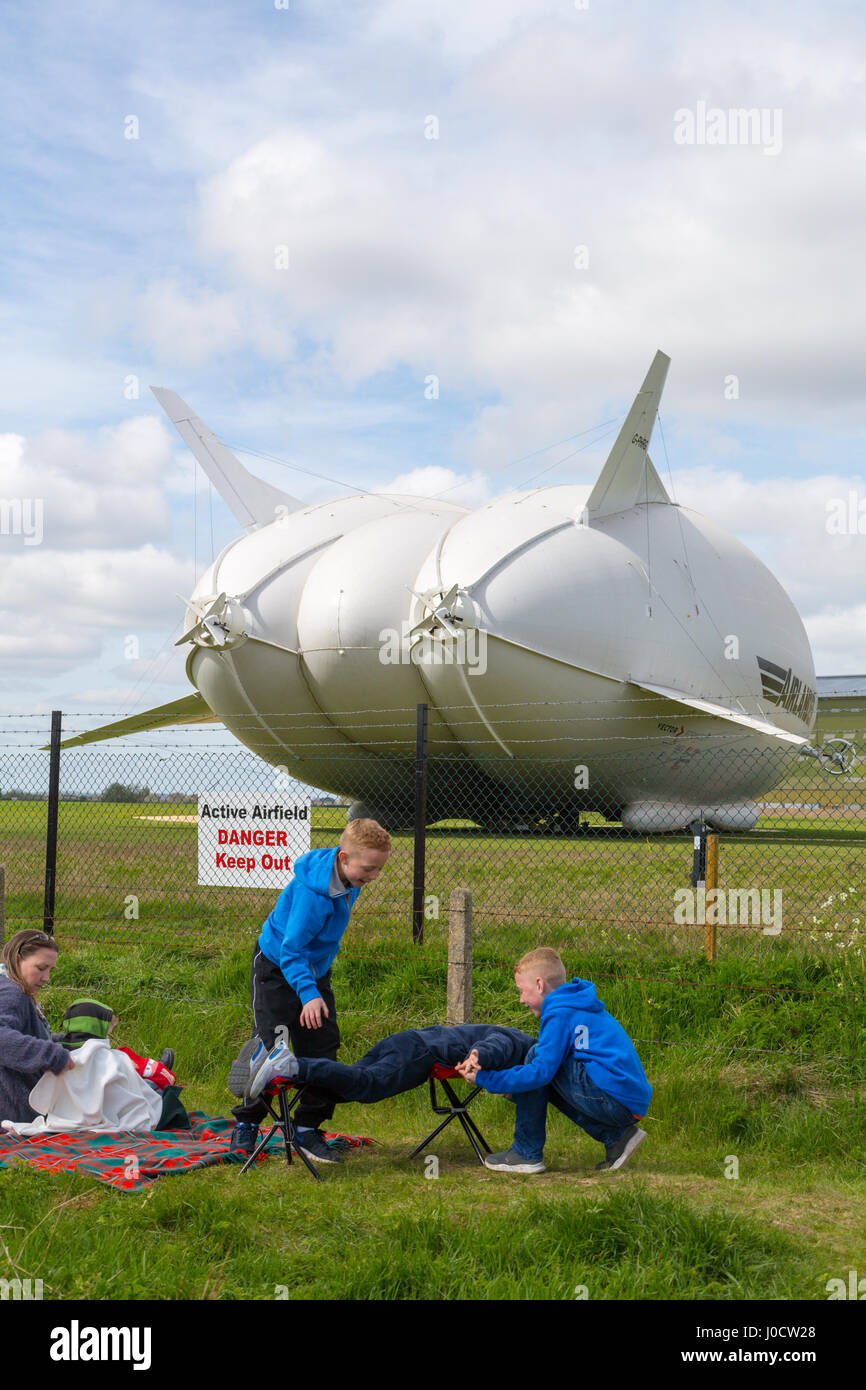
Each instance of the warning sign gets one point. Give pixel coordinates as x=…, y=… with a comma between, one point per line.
x=251, y=842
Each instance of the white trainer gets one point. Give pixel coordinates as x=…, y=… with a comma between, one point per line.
x=280, y=1062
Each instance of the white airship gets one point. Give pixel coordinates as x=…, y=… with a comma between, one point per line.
x=616, y=653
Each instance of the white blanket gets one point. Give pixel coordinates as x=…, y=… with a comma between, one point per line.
x=102, y=1090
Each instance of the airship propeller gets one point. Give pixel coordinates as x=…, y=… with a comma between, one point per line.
x=441, y=615
x=221, y=625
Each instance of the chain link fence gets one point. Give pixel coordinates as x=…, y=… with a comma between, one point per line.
x=539, y=842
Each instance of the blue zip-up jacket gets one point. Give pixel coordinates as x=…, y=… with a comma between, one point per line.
x=303, y=933
x=575, y=1022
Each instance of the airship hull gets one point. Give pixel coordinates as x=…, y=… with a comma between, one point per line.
x=578, y=649
x=546, y=699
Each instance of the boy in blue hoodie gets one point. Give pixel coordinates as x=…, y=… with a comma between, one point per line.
x=584, y=1063
x=290, y=987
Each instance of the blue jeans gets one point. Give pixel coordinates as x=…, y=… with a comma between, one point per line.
x=578, y=1097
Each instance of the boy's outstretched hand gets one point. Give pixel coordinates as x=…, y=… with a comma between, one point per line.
x=469, y=1067
x=314, y=1012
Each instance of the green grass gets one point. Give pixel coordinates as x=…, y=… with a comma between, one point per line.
x=669, y=1226
x=756, y=1057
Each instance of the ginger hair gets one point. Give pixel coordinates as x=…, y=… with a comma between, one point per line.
x=544, y=962
x=364, y=834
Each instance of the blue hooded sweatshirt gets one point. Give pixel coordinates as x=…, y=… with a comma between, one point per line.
x=303, y=933
x=574, y=1022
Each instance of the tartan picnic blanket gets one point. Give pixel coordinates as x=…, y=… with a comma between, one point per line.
x=131, y=1160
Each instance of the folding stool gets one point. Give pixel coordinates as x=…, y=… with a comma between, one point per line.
x=455, y=1109
x=283, y=1123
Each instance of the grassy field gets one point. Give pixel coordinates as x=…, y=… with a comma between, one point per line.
x=756, y=1060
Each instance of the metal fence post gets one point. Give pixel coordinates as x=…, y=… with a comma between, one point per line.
x=418, y=876
x=459, y=990
x=2, y=905
x=51, y=835
x=712, y=882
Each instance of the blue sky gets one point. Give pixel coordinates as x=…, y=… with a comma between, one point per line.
x=153, y=259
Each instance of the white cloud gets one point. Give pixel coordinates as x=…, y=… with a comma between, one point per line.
x=838, y=640
x=193, y=328
x=409, y=256
x=457, y=255
x=434, y=482
x=63, y=609
x=104, y=489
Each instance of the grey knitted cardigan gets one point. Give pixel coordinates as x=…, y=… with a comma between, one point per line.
x=26, y=1051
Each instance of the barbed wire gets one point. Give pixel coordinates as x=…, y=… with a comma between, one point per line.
x=722, y=697
x=428, y=1020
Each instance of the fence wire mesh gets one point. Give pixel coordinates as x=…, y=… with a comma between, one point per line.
x=567, y=850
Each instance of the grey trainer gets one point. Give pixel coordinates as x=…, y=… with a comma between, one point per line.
x=620, y=1152
x=513, y=1162
x=239, y=1075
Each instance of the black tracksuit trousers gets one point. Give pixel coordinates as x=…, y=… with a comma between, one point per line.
x=276, y=1004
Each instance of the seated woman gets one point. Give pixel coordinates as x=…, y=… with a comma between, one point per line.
x=26, y=1047
x=101, y=1088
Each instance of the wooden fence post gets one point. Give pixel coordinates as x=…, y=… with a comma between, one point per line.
x=459, y=1001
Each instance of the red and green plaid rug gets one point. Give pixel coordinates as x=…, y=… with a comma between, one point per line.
x=132, y=1160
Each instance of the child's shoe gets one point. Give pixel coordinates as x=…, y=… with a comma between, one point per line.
x=620, y=1152
x=280, y=1062
x=244, y=1138
x=239, y=1075
x=313, y=1143
x=513, y=1162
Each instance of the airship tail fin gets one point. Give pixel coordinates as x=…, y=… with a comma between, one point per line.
x=628, y=476
x=191, y=709
x=255, y=503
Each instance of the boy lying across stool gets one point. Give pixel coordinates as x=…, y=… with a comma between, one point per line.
x=584, y=1063
x=397, y=1063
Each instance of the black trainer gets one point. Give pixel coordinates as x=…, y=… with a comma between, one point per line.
x=313, y=1143
x=620, y=1152
x=244, y=1138
x=167, y=1057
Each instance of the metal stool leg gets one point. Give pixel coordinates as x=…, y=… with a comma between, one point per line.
x=284, y=1124
x=260, y=1147
x=430, y=1137
x=455, y=1111
x=471, y=1130
x=288, y=1123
